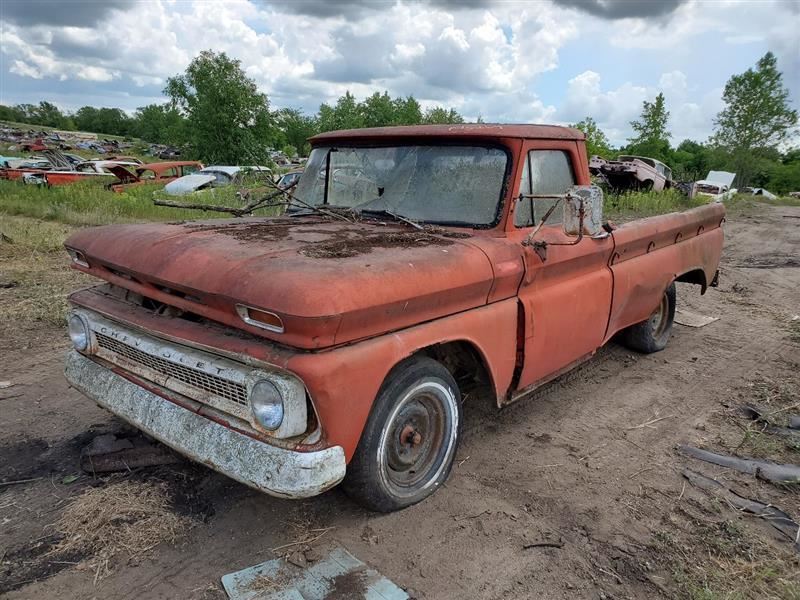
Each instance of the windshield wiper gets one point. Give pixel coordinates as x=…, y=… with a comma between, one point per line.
x=394, y=215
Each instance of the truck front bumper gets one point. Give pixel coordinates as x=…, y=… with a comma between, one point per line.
x=276, y=471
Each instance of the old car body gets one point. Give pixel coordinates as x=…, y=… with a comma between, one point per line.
x=452, y=280
x=632, y=172
x=716, y=186
x=217, y=176
x=84, y=171
x=157, y=172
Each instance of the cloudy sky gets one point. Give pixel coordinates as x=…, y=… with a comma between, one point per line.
x=505, y=60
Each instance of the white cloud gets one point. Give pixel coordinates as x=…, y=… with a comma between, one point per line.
x=483, y=58
x=691, y=115
x=25, y=70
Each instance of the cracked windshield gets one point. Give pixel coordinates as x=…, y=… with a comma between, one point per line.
x=457, y=185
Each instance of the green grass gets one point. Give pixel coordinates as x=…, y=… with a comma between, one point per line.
x=89, y=203
x=632, y=205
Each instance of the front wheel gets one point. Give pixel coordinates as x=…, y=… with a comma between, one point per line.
x=652, y=334
x=408, y=445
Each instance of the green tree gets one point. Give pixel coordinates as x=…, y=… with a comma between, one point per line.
x=757, y=115
x=347, y=113
x=378, y=110
x=295, y=128
x=596, y=141
x=652, y=136
x=48, y=114
x=690, y=161
x=407, y=111
x=11, y=113
x=441, y=116
x=228, y=119
x=158, y=123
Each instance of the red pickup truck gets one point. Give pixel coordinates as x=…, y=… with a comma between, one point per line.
x=336, y=343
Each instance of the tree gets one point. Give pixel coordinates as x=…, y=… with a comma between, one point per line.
x=757, y=115
x=596, y=141
x=346, y=114
x=442, y=116
x=652, y=136
x=158, y=123
x=690, y=161
x=228, y=119
x=407, y=111
x=295, y=128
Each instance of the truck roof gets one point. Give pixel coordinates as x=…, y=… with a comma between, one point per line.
x=467, y=130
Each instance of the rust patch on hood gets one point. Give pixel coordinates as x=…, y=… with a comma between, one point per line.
x=345, y=247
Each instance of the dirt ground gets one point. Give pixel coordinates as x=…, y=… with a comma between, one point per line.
x=588, y=465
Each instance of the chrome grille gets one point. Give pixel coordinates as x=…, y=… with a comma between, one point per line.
x=212, y=384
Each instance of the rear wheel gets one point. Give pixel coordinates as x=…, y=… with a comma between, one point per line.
x=652, y=334
x=408, y=445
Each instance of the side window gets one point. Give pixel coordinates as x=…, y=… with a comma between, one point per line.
x=171, y=172
x=545, y=172
x=189, y=169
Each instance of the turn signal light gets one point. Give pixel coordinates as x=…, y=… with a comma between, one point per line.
x=260, y=318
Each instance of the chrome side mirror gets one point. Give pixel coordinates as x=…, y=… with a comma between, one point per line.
x=583, y=211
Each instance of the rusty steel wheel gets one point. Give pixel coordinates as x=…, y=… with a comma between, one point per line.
x=408, y=445
x=653, y=334
x=659, y=320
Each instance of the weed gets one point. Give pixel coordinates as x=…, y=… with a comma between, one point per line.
x=631, y=205
x=89, y=203
x=35, y=274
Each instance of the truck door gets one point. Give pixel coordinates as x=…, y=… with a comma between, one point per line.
x=565, y=298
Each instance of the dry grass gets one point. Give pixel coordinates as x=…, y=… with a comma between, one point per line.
x=35, y=278
x=723, y=560
x=123, y=518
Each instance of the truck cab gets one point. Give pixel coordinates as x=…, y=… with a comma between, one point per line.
x=335, y=343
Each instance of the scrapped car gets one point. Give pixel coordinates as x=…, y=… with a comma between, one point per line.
x=716, y=186
x=338, y=344
x=160, y=172
x=632, y=173
x=289, y=179
x=217, y=176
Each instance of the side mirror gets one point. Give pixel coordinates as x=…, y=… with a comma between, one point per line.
x=583, y=210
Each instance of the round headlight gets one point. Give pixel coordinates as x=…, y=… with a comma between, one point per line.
x=79, y=332
x=267, y=404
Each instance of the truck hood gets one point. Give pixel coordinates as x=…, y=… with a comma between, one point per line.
x=330, y=282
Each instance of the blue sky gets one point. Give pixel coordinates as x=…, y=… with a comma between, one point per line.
x=550, y=61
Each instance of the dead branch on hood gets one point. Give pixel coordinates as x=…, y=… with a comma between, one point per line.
x=262, y=202
x=237, y=211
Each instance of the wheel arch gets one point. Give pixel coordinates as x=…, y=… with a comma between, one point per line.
x=696, y=276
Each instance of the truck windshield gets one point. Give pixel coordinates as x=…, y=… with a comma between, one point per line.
x=458, y=185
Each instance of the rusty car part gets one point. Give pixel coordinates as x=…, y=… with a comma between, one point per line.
x=769, y=471
x=771, y=514
x=109, y=453
x=262, y=466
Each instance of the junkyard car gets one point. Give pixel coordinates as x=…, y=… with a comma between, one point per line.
x=338, y=343
x=632, y=173
x=716, y=186
x=217, y=176
x=159, y=172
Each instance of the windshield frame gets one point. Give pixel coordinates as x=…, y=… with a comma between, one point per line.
x=442, y=142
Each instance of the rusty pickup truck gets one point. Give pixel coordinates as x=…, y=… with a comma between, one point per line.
x=336, y=343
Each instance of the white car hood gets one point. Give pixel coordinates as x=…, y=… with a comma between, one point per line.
x=720, y=178
x=188, y=184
